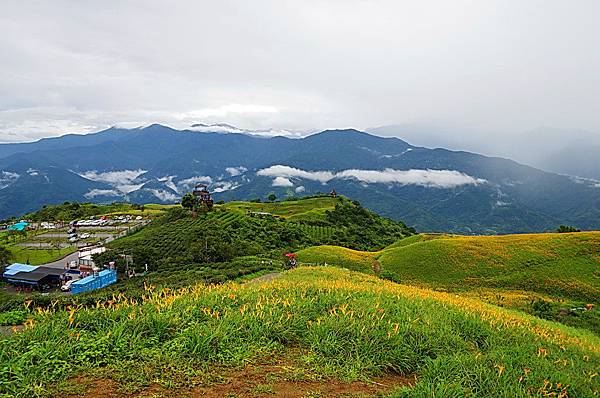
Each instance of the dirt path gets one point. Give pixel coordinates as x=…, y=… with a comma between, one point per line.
x=265, y=278
x=255, y=381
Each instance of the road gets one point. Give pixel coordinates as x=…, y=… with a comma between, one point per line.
x=62, y=262
x=64, y=235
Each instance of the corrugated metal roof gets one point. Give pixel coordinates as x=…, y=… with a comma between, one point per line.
x=20, y=226
x=84, y=281
x=18, y=267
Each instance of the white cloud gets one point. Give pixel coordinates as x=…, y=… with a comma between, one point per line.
x=123, y=180
x=292, y=172
x=408, y=63
x=227, y=128
x=300, y=189
x=7, y=178
x=226, y=110
x=236, y=171
x=427, y=178
x=190, y=182
x=224, y=186
x=163, y=195
x=168, y=180
x=101, y=192
x=282, y=182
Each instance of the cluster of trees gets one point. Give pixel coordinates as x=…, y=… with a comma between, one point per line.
x=191, y=202
x=5, y=256
x=361, y=229
x=567, y=228
x=69, y=211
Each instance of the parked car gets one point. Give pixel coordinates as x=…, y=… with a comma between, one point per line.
x=73, y=239
x=67, y=286
x=85, y=236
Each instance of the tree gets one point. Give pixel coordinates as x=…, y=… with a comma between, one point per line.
x=567, y=228
x=272, y=197
x=188, y=201
x=5, y=256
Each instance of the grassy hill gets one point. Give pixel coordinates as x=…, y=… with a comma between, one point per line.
x=182, y=239
x=320, y=331
x=306, y=209
x=543, y=274
x=557, y=264
x=310, y=329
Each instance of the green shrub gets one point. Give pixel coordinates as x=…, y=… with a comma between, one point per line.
x=390, y=276
x=14, y=317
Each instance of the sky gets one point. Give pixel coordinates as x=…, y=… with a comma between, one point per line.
x=488, y=71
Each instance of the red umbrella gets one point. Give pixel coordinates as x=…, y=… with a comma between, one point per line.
x=290, y=255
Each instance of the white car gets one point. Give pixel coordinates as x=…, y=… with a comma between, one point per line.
x=85, y=236
x=67, y=286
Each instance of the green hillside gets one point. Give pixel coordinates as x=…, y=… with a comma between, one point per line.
x=185, y=240
x=549, y=275
x=305, y=209
x=219, y=314
x=306, y=331
x=557, y=264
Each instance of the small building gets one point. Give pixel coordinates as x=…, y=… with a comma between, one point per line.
x=97, y=281
x=15, y=268
x=20, y=226
x=204, y=197
x=37, y=277
x=85, y=257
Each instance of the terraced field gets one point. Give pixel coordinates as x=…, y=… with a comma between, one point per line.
x=317, y=232
x=176, y=235
x=310, y=209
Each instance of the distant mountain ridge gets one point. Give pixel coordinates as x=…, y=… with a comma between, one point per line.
x=432, y=189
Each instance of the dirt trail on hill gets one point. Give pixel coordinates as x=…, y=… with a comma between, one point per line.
x=265, y=278
x=257, y=381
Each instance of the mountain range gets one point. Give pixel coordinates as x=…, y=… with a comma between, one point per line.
x=431, y=189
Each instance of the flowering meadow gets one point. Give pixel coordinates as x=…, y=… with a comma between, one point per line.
x=335, y=323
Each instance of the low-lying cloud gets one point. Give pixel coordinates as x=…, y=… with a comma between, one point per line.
x=282, y=182
x=236, y=171
x=427, y=178
x=168, y=181
x=190, y=182
x=101, y=192
x=224, y=186
x=163, y=195
x=7, y=178
x=123, y=180
x=292, y=172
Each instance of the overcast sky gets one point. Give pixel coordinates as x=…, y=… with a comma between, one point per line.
x=482, y=67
